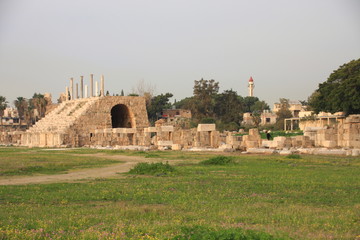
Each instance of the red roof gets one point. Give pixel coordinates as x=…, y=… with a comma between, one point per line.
x=251, y=79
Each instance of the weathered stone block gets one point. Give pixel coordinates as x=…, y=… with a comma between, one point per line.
x=329, y=144
x=151, y=129
x=165, y=143
x=123, y=130
x=176, y=147
x=167, y=128
x=206, y=127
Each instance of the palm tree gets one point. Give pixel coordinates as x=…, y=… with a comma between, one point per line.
x=3, y=105
x=39, y=102
x=21, y=105
x=29, y=113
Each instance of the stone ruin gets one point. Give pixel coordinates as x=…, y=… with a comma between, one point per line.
x=121, y=122
x=79, y=122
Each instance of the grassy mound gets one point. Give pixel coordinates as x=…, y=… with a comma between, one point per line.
x=218, y=160
x=156, y=169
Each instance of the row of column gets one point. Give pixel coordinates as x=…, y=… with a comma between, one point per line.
x=73, y=93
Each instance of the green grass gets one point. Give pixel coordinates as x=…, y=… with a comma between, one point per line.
x=25, y=161
x=219, y=160
x=276, y=134
x=281, y=134
x=260, y=197
x=206, y=233
x=155, y=169
x=293, y=156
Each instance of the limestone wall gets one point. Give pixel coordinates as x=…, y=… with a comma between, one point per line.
x=73, y=123
x=349, y=132
x=98, y=117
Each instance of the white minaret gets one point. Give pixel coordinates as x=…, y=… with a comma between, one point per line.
x=251, y=87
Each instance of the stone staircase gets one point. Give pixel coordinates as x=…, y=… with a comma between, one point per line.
x=63, y=117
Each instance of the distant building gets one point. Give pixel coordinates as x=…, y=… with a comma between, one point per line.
x=267, y=117
x=295, y=107
x=176, y=113
x=10, y=117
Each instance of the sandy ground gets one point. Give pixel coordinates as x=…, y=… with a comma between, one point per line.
x=83, y=174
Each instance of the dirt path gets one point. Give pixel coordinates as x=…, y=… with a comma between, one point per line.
x=83, y=174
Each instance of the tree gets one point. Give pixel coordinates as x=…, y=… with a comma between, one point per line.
x=3, y=105
x=203, y=101
x=29, y=114
x=186, y=103
x=283, y=113
x=39, y=103
x=229, y=107
x=249, y=102
x=122, y=92
x=158, y=104
x=341, y=91
x=145, y=90
x=21, y=105
x=259, y=106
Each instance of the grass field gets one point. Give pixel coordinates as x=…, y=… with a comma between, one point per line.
x=249, y=197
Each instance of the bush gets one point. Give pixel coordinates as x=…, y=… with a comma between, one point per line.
x=156, y=169
x=218, y=160
x=207, y=120
x=207, y=233
x=293, y=156
x=281, y=134
x=231, y=126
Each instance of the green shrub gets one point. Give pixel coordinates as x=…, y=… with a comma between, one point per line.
x=218, y=160
x=207, y=120
x=207, y=233
x=293, y=156
x=156, y=169
x=281, y=134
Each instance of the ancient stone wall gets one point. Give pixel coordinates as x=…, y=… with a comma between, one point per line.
x=349, y=132
x=99, y=116
x=73, y=123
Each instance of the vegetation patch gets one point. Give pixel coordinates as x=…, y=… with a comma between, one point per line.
x=293, y=156
x=281, y=134
x=219, y=160
x=21, y=161
x=156, y=169
x=152, y=155
x=208, y=233
x=317, y=199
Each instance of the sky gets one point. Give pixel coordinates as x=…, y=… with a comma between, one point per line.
x=287, y=46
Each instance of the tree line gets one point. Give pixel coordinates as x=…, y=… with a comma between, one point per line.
x=29, y=110
x=341, y=92
x=208, y=105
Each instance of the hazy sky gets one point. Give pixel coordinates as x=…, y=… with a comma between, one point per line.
x=287, y=46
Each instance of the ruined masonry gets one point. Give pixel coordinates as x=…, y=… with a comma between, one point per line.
x=89, y=118
x=76, y=122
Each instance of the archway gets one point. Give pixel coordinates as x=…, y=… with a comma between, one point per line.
x=120, y=117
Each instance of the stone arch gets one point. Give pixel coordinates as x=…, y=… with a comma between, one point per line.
x=121, y=117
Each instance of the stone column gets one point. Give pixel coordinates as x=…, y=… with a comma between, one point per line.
x=96, y=89
x=102, y=93
x=91, y=85
x=77, y=91
x=71, y=88
x=81, y=86
x=86, y=91
x=67, y=94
